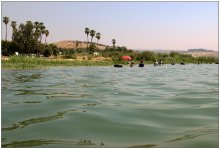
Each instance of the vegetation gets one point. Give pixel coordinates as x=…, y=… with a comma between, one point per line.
x=98, y=37
x=87, y=31
x=6, y=21
x=92, y=34
x=27, y=37
x=113, y=42
x=24, y=62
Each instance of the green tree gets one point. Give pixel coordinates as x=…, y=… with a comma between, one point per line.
x=42, y=29
x=46, y=35
x=6, y=20
x=87, y=31
x=54, y=49
x=48, y=51
x=98, y=37
x=13, y=25
x=92, y=34
x=36, y=25
x=147, y=56
x=24, y=37
x=113, y=42
x=91, y=48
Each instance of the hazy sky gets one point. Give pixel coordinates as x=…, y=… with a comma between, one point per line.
x=136, y=25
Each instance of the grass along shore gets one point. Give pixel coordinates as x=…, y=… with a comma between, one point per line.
x=24, y=62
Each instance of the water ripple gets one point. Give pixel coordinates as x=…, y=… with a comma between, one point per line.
x=25, y=123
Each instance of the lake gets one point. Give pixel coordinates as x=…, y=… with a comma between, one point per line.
x=103, y=106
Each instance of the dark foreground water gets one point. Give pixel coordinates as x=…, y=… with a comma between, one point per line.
x=167, y=106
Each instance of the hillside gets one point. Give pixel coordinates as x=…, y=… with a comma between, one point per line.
x=193, y=53
x=197, y=54
x=72, y=44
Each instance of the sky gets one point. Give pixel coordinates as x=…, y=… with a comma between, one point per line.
x=136, y=25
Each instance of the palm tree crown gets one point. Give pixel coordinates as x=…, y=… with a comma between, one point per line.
x=87, y=33
x=47, y=34
x=42, y=29
x=13, y=24
x=6, y=20
x=98, y=36
x=92, y=34
x=113, y=41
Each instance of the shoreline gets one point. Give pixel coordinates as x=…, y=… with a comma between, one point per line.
x=25, y=63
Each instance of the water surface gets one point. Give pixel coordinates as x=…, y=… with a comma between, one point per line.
x=167, y=106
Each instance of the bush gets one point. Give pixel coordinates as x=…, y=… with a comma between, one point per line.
x=70, y=56
x=47, y=51
x=92, y=47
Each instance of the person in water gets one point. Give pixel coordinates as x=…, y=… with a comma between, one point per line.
x=131, y=64
x=141, y=64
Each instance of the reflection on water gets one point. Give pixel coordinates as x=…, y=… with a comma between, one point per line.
x=25, y=123
x=144, y=146
x=33, y=143
x=168, y=106
x=194, y=134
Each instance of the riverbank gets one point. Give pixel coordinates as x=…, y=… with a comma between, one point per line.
x=23, y=62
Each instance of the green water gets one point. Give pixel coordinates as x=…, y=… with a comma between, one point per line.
x=167, y=106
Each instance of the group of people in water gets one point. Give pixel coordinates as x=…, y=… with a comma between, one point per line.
x=141, y=64
x=131, y=64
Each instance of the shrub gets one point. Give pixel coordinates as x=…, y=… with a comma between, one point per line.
x=47, y=51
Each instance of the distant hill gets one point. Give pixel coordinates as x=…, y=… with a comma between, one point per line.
x=73, y=44
x=207, y=53
x=199, y=50
x=193, y=52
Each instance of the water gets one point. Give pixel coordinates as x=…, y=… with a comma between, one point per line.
x=167, y=106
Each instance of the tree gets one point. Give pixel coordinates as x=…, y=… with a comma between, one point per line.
x=48, y=51
x=87, y=31
x=98, y=36
x=37, y=31
x=113, y=42
x=24, y=37
x=147, y=56
x=36, y=25
x=92, y=34
x=13, y=25
x=42, y=29
x=46, y=34
x=6, y=20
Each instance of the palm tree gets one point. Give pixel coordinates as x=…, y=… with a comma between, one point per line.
x=36, y=31
x=98, y=36
x=87, y=33
x=6, y=20
x=13, y=25
x=92, y=34
x=113, y=42
x=36, y=25
x=46, y=34
x=42, y=29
